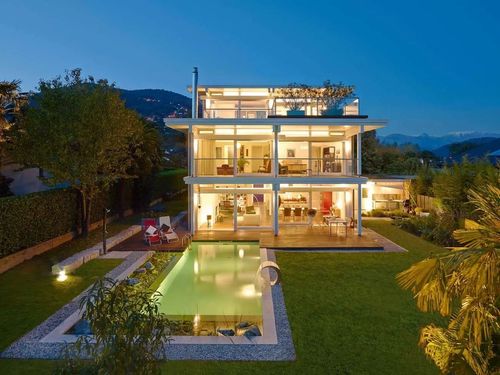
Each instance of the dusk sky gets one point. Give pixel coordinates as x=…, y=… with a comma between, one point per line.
x=426, y=66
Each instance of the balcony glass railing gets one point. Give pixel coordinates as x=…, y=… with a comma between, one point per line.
x=261, y=167
x=226, y=166
x=315, y=166
x=258, y=113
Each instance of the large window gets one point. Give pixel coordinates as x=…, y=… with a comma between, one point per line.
x=216, y=211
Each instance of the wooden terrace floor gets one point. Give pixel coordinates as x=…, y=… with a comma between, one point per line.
x=290, y=237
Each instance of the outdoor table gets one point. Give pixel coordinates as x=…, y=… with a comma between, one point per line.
x=334, y=221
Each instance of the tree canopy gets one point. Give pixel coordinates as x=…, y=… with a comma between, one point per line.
x=81, y=133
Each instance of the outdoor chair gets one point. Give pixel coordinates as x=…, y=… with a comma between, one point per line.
x=151, y=232
x=166, y=230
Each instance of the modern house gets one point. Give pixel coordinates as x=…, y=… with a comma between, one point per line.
x=253, y=165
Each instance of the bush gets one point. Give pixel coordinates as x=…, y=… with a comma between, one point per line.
x=437, y=229
x=386, y=213
x=129, y=332
x=34, y=218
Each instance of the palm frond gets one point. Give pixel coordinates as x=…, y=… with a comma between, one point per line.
x=427, y=280
x=451, y=354
x=486, y=232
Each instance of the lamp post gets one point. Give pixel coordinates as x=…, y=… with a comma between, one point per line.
x=105, y=212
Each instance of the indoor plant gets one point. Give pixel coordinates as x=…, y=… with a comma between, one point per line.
x=241, y=163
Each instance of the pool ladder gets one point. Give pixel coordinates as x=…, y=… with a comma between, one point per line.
x=186, y=240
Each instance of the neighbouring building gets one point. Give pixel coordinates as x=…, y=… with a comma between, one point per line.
x=251, y=165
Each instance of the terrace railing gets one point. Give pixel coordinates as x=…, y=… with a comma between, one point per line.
x=316, y=166
x=258, y=113
x=265, y=167
x=232, y=166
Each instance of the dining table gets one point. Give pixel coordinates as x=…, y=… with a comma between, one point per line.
x=334, y=221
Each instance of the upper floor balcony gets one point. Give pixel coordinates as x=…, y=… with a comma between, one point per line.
x=259, y=103
x=286, y=167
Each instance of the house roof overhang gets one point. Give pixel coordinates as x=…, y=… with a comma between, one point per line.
x=184, y=124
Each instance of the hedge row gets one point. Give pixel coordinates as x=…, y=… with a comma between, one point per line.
x=30, y=219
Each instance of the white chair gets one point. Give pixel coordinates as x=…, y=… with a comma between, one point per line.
x=167, y=235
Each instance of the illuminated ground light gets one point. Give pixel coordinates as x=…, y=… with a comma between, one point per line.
x=241, y=253
x=62, y=276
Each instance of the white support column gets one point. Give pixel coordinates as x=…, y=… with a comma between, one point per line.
x=190, y=209
x=195, y=190
x=359, y=153
x=360, y=226
x=191, y=227
x=276, y=188
x=235, y=158
x=276, y=131
x=309, y=161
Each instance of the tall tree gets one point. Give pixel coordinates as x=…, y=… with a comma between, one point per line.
x=10, y=105
x=80, y=132
x=465, y=285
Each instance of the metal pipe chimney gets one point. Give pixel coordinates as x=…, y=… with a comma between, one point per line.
x=194, y=104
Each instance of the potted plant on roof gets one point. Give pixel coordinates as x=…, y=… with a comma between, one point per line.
x=295, y=96
x=333, y=96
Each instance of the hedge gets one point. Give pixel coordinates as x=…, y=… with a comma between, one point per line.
x=27, y=220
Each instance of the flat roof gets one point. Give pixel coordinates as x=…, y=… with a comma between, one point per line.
x=370, y=124
x=239, y=86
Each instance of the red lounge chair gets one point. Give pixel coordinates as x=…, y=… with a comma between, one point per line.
x=151, y=232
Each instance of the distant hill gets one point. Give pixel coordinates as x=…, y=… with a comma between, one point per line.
x=473, y=148
x=156, y=104
x=428, y=142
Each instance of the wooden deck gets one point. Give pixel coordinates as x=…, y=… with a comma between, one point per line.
x=298, y=237
x=290, y=237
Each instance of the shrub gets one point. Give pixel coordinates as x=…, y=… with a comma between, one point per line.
x=34, y=218
x=386, y=213
x=434, y=228
x=30, y=219
x=129, y=332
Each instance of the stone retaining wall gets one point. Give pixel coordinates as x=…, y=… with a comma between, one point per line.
x=77, y=260
x=18, y=257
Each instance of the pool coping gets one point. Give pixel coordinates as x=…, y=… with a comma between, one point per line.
x=48, y=340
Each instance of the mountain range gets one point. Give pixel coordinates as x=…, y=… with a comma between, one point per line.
x=428, y=142
x=156, y=104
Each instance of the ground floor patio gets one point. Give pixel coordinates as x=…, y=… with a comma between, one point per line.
x=298, y=237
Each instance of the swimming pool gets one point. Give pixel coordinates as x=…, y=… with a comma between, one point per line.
x=214, y=282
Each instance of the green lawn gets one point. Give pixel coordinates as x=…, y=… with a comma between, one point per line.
x=29, y=293
x=348, y=316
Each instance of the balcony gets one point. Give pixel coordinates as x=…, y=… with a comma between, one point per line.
x=241, y=109
x=306, y=167
x=257, y=113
